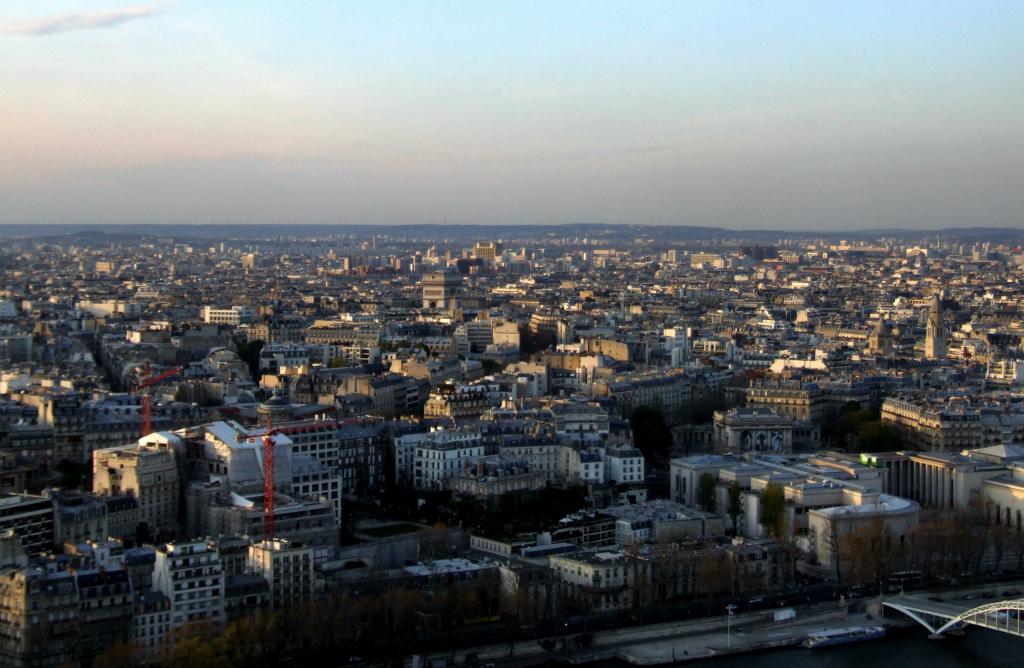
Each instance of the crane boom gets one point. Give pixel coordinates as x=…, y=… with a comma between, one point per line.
x=269, y=474
x=149, y=382
x=147, y=404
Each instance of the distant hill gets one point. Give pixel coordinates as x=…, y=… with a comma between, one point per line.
x=611, y=232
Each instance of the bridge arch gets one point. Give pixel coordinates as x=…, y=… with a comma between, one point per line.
x=919, y=613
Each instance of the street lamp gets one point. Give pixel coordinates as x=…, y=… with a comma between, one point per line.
x=730, y=609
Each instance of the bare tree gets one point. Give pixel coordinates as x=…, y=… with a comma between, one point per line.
x=435, y=543
x=714, y=575
x=867, y=552
x=1000, y=538
x=735, y=506
x=834, y=544
x=773, y=511
x=1016, y=543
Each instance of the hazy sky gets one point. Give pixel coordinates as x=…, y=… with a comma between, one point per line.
x=808, y=115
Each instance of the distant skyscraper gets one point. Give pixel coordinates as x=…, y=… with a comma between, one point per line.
x=249, y=262
x=487, y=250
x=935, y=337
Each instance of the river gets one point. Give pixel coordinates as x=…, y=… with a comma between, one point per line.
x=904, y=649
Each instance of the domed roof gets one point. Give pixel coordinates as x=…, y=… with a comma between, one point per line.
x=277, y=402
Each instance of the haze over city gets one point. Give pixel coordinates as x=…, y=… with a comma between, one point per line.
x=380, y=334
x=783, y=115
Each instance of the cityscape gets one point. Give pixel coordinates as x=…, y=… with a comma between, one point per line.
x=285, y=380
x=341, y=441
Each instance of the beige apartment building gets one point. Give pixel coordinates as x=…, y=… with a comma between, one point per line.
x=149, y=472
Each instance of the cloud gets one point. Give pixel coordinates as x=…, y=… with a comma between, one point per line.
x=59, y=23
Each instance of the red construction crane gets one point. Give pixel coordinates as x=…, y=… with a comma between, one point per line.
x=144, y=384
x=269, y=472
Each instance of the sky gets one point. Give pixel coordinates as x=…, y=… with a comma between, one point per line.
x=785, y=115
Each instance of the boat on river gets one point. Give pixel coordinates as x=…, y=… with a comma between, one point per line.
x=843, y=636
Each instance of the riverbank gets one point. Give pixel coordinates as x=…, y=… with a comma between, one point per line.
x=709, y=638
x=658, y=644
x=722, y=642
x=906, y=647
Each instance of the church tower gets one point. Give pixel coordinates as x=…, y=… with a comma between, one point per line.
x=880, y=340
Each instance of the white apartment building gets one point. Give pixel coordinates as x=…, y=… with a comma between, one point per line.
x=287, y=567
x=592, y=467
x=558, y=464
x=582, y=422
x=440, y=459
x=275, y=357
x=189, y=574
x=624, y=464
x=234, y=315
x=151, y=620
x=599, y=581
x=404, y=448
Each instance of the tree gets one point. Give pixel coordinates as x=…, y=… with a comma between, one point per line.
x=868, y=552
x=651, y=435
x=1016, y=544
x=735, y=504
x=844, y=428
x=951, y=543
x=773, y=511
x=877, y=436
x=119, y=655
x=249, y=353
x=715, y=573
x=702, y=409
x=435, y=543
x=490, y=366
x=1001, y=544
x=834, y=544
x=861, y=428
x=74, y=475
x=706, y=492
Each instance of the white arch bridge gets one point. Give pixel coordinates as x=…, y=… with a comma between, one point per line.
x=942, y=616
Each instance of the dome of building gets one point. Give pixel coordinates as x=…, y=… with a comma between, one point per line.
x=275, y=409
